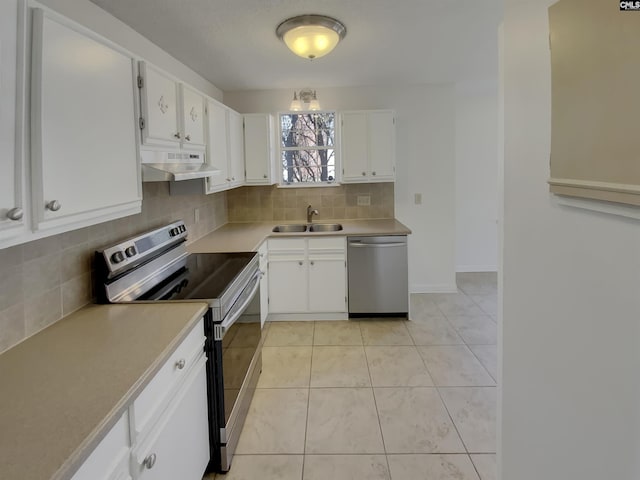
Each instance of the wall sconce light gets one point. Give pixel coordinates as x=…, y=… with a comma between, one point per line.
x=311, y=36
x=308, y=100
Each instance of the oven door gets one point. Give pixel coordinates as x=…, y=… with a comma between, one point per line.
x=236, y=366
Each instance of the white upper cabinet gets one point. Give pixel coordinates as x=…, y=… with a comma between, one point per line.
x=84, y=153
x=368, y=146
x=159, y=100
x=259, y=149
x=192, y=118
x=172, y=113
x=13, y=214
x=217, y=145
x=236, y=149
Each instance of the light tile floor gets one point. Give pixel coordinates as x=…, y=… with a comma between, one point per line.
x=379, y=399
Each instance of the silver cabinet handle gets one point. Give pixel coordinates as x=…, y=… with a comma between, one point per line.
x=15, y=214
x=181, y=363
x=177, y=135
x=53, y=205
x=187, y=138
x=150, y=461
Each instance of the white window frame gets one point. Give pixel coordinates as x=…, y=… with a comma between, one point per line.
x=336, y=148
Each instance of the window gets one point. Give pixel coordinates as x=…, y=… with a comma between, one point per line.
x=307, y=146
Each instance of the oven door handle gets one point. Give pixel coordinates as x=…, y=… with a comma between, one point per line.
x=221, y=329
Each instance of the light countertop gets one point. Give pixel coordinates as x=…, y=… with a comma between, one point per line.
x=247, y=237
x=65, y=387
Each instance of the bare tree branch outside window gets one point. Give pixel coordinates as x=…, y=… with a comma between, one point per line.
x=308, y=147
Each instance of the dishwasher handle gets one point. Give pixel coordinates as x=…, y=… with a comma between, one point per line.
x=377, y=245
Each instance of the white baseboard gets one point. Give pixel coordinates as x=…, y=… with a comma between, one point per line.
x=476, y=268
x=301, y=317
x=426, y=288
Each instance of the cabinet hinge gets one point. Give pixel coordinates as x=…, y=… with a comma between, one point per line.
x=345, y=263
x=141, y=123
x=140, y=81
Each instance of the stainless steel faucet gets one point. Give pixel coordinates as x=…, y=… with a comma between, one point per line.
x=310, y=213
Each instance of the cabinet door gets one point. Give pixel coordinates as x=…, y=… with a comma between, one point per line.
x=192, y=119
x=258, y=149
x=159, y=99
x=179, y=446
x=354, y=143
x=327, y=284
x=12, y=206
x=217, y=145
x=382, y=146
x=264, y=282
x=287, y=284
x=84, y=152
x=236, y=149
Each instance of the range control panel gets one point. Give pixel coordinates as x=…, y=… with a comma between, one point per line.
x=136, y=249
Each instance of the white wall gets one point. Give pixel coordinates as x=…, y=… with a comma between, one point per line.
x=476, y=176
x=96, y=19
x=425, y=132
x=571, y=314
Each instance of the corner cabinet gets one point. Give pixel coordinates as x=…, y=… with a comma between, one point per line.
x=259, y=152
x=225, y=147
x=84, y=153
x=368, y=146
x=307, y=275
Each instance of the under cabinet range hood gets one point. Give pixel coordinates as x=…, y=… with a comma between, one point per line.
x=174, y=166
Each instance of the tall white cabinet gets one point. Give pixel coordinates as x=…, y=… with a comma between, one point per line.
x=368, y=146
x=84, y=161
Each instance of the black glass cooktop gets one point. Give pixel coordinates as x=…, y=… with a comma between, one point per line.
x=206, y=276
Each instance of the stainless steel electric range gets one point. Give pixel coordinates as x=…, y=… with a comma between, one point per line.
x=156, y=266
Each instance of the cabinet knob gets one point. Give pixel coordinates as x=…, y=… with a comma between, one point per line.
x=187, y=138
x=264, y=176
x=300, y=262
x=373, y=173
x=150, y=461
x=228, y=179
x=15, y=214
x=312, y=262
x=233, y=178
x=181, y=363
x=364, y=174
x=53, y=205
x=177, y=135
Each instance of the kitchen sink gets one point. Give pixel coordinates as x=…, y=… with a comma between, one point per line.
x=289, y=228
x=325, y=227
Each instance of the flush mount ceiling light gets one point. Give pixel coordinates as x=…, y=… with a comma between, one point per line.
x=311, y=36
x=308, y=98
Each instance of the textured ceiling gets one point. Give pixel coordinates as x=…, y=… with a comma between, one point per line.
x=232, y=43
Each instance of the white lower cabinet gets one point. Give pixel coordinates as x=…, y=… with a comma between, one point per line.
x=178, y=445
x=307, y=275
x=263, y=258
x=164, y=435
x=110, y=459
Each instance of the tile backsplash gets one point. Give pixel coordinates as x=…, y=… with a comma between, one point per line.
x=248, y=204
x=44, y=280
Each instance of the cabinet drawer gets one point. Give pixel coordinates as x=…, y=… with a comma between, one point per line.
x=287, y=245
x=150, y=402
x=109, y=458
x=330, y=243
x=178, y=444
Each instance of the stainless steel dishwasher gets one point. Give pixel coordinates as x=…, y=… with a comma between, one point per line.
x=378, y=276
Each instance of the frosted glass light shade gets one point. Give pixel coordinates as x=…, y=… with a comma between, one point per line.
x=311, y=41
x=311, y=36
